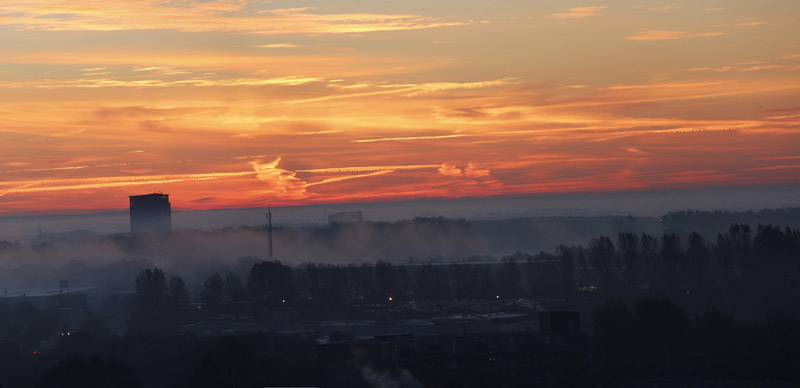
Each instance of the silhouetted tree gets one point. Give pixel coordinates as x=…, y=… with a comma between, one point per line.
x=213, y=293
x=153, y=307
x=649, y=259
x=234, y=291
x=628, y=244
x=668, y=266
x=567, y=269
x=430, y=284
x=177, y=290
x=603, y=260
x=385, y=281
x=508, y=280
x=271, y=282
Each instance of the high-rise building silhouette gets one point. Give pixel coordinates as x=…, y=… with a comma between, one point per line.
x=151, y=213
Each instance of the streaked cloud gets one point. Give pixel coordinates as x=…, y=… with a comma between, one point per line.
x=748, y=67
x=368, y=168
x=51, y=185
x=349, y=177
x=159, y=82
x=407, y=90
x=280, y=45
x=750, y=24
x=125, y=15
x=578, y=13
x=429, y=137
x=656, y=35
x=673, y=85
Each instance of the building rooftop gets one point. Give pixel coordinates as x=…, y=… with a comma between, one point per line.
x=43, y=292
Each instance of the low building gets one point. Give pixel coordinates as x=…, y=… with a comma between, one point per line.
x=513, y=359
x=49, y=298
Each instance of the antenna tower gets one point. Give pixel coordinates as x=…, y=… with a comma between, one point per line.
x=269, y=230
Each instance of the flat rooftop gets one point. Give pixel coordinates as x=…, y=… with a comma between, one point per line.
x=43, y=292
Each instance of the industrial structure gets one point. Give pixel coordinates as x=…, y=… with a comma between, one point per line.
x=150, y=213
x=269, y=231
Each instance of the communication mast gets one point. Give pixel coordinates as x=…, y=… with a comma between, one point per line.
x=269, y=230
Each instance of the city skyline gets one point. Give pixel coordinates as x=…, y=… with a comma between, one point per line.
x=237, y=104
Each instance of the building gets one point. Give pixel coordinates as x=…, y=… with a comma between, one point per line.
x=354, y=216
x=488, y=359
x=151, y=213
x=58, y=298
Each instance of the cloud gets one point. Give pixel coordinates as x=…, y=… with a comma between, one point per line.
x=667, y=85
x=127, y=82
x=429, y=137
x=747, y=67
x=767, y=67
x=369, y=168
x=204, y=199
x=471, y=171
x=407, y=90
x=51, y=185
x=322, y=132
x=401, y=143
x=348, y=177
x=281, y=183
x=637, y=151
x=93, y=69
x=578, y=13
x=286, y=185
x=450, y=170
x=443, y=86
x=280, y=45
x=750, y=24
x=55, y=168
x=655, y=35
x=780, y=167
x=715, y=69
x=191, y=16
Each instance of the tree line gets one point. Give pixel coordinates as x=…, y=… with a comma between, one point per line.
x=749, y=274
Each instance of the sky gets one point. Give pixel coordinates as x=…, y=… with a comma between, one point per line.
x=244, y=103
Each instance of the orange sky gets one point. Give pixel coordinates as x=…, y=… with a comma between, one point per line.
x=241, y=103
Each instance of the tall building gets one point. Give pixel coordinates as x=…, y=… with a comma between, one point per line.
x=151, y=213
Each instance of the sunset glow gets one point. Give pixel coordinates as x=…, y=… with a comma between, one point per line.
x=244, y=103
